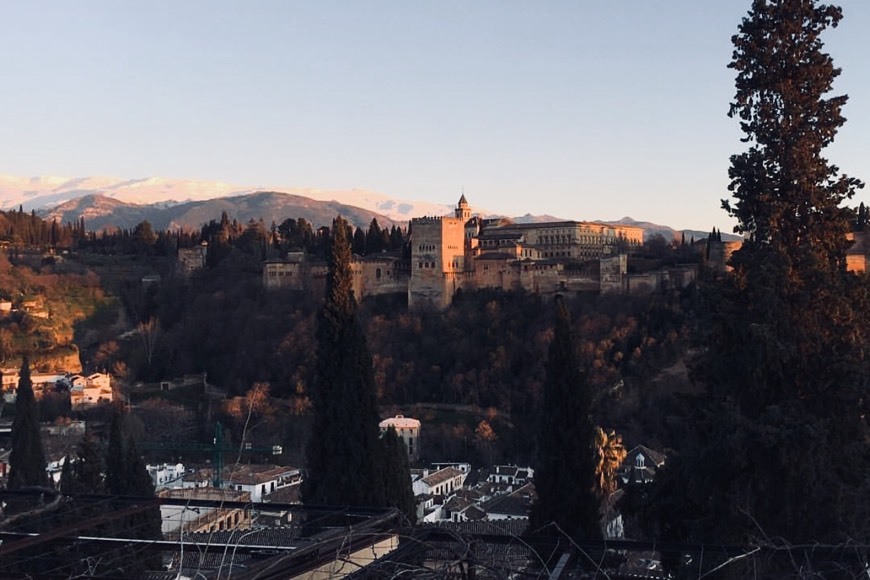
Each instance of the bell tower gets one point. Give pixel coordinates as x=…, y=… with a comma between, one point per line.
x=463, y=211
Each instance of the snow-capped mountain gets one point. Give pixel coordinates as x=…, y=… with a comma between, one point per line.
x=100, y=212
x=50, y=191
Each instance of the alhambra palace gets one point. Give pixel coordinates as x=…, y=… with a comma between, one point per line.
x=460, y=252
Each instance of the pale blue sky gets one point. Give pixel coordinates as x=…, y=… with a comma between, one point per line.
x=582, y=109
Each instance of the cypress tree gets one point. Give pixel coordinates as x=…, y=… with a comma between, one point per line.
x=116, y=472
x=84, y=472
x=565, y=474
x=27, y=458
x=126, y=475
x=344, y=455
x=397, y=475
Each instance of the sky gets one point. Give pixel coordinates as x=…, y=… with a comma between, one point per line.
x=581, y=109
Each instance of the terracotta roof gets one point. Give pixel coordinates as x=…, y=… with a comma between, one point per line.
x=256, y=474
x=441, y=476
x=400, y=422
x=287, y=494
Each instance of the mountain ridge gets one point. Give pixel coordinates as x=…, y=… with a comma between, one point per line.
x=108, y=202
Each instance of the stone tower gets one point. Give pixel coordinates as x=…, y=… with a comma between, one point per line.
x=463, y=211
x=437, y=258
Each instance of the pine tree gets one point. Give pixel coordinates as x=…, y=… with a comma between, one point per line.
x=780, y=445
x=565, y=474
x=27, y=458
x=344, y=454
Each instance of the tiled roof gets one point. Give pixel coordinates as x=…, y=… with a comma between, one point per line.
x=510, y=470
x=470, y=494
x=400, y=422
x=474, y=513
x=489, y=528
x=256, y=474
x=517, y=503
x=286, y=494
x=441, y=476
x=457, y=504
x=654, y=456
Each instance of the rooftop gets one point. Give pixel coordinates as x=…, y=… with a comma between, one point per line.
x=441, y=476
x=400, y=422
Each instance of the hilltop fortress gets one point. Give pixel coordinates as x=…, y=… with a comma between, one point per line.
x=450, y=254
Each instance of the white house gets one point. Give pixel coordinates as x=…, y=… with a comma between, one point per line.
x=510, y=474
x=408, y=429
x=166, y=474
x=260, y=480
x=90, y=390
x=442, y=482
x=183, y=519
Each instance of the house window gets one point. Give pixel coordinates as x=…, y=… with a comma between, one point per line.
x=378, y=273
x=638, y=462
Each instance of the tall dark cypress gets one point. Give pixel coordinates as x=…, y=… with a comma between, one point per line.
x=397, y=475
x=127, y=476
x=565, y=472
x=116, y=471
x=27, y=458
x=84, y=473
x=344, y=455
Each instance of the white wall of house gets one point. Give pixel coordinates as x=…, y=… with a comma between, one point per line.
x=166, y=474
x=433, y=516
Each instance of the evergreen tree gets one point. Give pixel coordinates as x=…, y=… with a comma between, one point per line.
x=861, y=218
x=359, y=242
x=27, y=458
x=127, y=476
x=143, y=525
x=116, y=474
x=780, y=448
x=374, y=238
x=397, y=475
x=787, y=196
x=565, y=474
x=344, y=454
x=84, y=472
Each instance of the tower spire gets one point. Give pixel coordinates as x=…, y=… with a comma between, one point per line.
x=463, y=211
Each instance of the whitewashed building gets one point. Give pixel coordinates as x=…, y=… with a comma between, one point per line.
x=408, y=429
